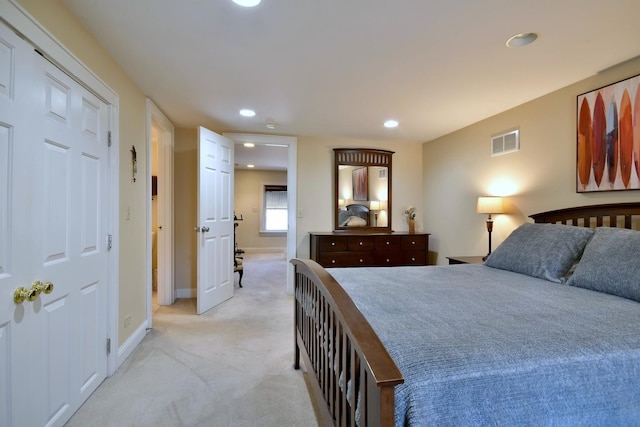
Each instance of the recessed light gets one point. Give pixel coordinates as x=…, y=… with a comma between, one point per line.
x=247, y=113
x=391, y=124
x=251, y=166
x=247, y=3
x=271, y=125
x=522, y=39
x=249, y=144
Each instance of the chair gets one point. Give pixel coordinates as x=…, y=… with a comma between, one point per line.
x=237, y=266
x=237, y=260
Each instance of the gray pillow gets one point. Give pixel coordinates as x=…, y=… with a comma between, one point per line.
x=545, y=251
x=611, y=263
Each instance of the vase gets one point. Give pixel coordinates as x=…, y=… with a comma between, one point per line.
x=412, y=225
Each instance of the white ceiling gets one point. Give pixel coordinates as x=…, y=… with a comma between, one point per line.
x=339, y=68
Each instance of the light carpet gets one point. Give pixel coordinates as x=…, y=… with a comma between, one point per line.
x=232, y=366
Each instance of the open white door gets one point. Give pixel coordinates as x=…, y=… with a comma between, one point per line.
x=215, y=219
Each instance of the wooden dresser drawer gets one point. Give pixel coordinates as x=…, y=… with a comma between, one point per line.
x=414, y=242
x=361, y=243
x=388, y=243
x=345, y=259
x=332, y=244
x=414, y=258
x=401, y=258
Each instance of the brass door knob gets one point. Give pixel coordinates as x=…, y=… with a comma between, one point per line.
x=46, y=287
x=20, y=294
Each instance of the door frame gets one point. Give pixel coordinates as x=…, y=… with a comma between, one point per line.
x=18, y=18
x=292, y=190
x=166, y=294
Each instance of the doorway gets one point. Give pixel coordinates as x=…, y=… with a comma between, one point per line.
x=292, y=154
x=160, y=254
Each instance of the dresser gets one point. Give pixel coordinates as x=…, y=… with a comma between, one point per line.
x=369, y=249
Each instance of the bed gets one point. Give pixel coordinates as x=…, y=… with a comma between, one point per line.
x=538, y=335
x=354, y=216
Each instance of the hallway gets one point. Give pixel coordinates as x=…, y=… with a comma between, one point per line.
x=232, y=366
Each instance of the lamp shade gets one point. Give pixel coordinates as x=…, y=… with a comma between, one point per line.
x=374, y=205
x=490, y=205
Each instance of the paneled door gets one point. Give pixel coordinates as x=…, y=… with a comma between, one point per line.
x=53, y=225
x=215, y=219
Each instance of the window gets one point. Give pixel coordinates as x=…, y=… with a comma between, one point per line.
x=275, y=208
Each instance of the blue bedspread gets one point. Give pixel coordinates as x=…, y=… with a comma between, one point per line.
x=480, y=346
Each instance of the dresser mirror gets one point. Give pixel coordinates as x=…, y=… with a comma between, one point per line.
x=362, y=190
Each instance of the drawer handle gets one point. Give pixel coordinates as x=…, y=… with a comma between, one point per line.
x=413, y=242
x=388, y=260
x=333, y=261
x=360, y=243
x=413, y=259
x=333, y=243
x=361, y=260
x=388, y=242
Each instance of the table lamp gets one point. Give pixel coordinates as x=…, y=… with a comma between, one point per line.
x=490, y=205
x=374, y=206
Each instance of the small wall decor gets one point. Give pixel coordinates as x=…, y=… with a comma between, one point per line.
x=360, y=184
x=134, y=162
x=608, y=138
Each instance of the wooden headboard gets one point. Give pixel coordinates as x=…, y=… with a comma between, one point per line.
x=623, y=215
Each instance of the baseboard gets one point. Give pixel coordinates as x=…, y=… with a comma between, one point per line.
x=125, y=350
x=264, y=250
x=186, y=293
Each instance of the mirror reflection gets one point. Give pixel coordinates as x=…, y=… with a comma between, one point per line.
x=362, y=196
x=363, y=189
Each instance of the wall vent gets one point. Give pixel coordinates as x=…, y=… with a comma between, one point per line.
x=505, y=143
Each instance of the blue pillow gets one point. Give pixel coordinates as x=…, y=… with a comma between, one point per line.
x=545, y=251
x=611, y=263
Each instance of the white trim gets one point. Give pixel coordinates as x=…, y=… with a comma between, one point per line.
x=18, y=18
x=273, y=249
x=131, y=343
x=292, y=189
x=155, y=118
x=113, y=285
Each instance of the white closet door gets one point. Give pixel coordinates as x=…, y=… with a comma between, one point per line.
x=55, y=160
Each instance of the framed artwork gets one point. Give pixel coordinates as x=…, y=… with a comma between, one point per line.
x=360, y=184
x=608, y=138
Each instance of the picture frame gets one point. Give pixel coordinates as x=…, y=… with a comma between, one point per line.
x=608, y=137
x=360, y=183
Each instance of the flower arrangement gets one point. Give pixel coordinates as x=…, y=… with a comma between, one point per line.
x=410, y=212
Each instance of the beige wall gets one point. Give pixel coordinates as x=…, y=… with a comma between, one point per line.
x=541, y=176
x=57, y=19
x=247, y=201
x=185, y=207
x=316, y=186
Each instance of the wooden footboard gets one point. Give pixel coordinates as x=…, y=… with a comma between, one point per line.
x=352, y=374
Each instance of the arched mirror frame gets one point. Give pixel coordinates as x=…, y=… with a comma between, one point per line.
x=371, y=159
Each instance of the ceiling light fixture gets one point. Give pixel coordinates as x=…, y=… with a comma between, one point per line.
x=271, y=126
x=391, y=124
x=522, y=39
x=249, y=144
x=247, y=3
x=251, y=166
x=247, y=113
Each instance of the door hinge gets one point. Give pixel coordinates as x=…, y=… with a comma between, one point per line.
x=108, y=346
x=109, y=241
x=109, y=139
